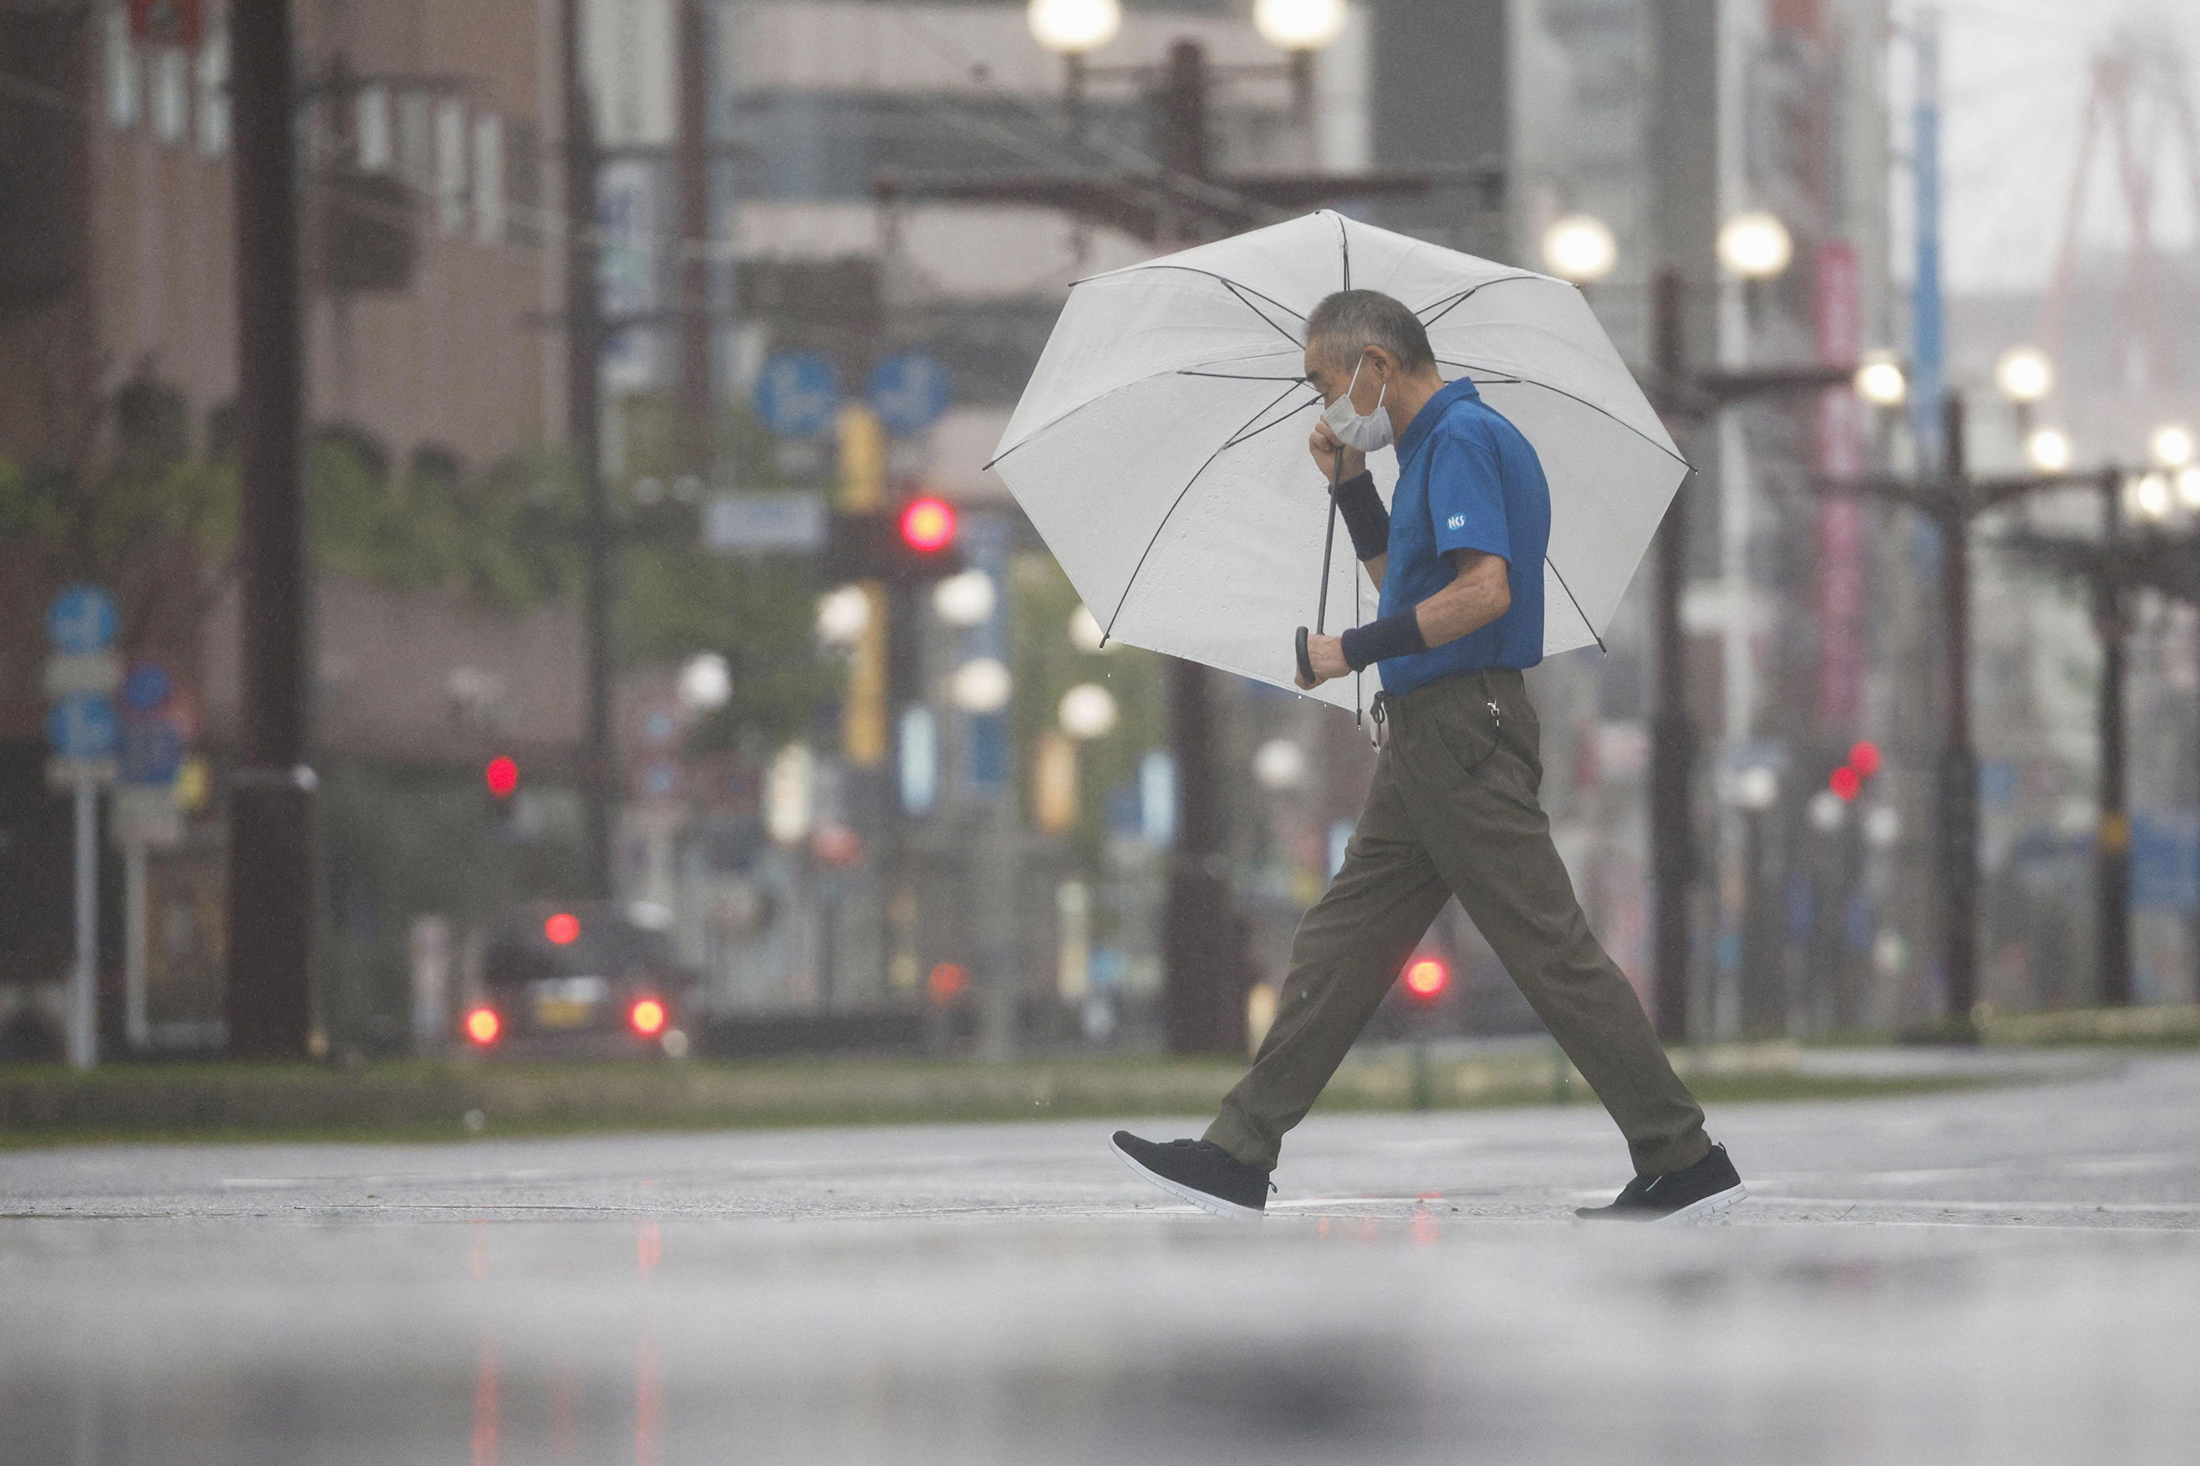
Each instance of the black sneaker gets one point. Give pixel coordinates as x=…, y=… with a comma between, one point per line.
x=1712, y=1184
x=1198, y=1171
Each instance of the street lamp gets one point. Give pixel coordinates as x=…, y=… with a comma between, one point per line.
x=1300, y=25
x=1279, y=765
x=2048, y=450
x=980, y=686
x=1881, y=381
x=2172, y=446
x=2024, y=374
x=1580, y=248
x=1755, y=245
x=2150, y=497
x=843, y=615
x=2188, y=487
x=1087, y=712
x=1073, y=27
x=706, y=683
x=965, y=599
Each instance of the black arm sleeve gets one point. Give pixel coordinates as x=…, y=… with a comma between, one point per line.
x=1395, y=635
x=1365, y=518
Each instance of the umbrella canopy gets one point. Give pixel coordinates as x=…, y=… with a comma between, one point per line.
x=1160, y=447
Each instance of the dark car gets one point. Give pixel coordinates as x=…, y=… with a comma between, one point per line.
x=583, y=977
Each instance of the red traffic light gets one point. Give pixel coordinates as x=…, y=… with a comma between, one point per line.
x=483, y=1026
x=502, y=776
x=948, y=981
x=1864, y=758
x=928, y=524
x=563, y=929
x=648, y=1017
x=1427, y=977
x=1846, y=781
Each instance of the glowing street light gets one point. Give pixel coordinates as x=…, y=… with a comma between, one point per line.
x=706, y=683
x=1881, y=381
x=843, y=615
x=1279, y=764
x=2188, y=487
x=981, y=685
x=2150, y=496
x=1073, y=27
x=1300, y=25
x=2172, y=446
x=1755, y=245
x=1580, y=248
x=1085, y=632
x=2024, y=374
x=965, y=599
x=1087, y=712
x=2048, y=450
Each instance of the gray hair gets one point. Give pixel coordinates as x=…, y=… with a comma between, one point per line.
x=1347, y=323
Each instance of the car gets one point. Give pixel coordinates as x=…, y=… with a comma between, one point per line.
x=583, y=978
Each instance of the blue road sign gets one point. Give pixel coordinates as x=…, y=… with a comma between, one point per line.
x=147, y=688
x=82, y=725
x=151, y=753
x=81, y=620
x=798, y=394
x=909, y=391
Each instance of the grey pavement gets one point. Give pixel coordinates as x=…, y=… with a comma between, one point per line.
x=2005, y=1276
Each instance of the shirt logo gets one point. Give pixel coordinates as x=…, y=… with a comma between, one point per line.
x=1457, y=521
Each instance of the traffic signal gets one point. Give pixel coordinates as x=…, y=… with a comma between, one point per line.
x=906, y=546
x=483, y=1026
x=647, y=1017
x=563, y=929
x=502, y=777
x=1849, y=779
x=1427, y=978
x=927, y=524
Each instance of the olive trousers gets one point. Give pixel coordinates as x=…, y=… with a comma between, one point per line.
x=1453, y=811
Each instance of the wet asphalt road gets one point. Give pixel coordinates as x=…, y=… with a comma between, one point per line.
x=2004, y=1276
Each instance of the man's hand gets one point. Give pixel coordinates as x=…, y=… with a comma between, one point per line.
x=1327, y=655
x=1323, y=445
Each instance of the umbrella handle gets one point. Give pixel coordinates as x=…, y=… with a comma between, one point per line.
x=1306, y=663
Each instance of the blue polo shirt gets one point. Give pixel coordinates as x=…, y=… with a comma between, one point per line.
x=1467, y=480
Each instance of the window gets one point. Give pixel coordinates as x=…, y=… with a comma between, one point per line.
x=415, y=141
x=523, y=183
x=171, y=93
x=214, y=93
x=450, y=166
x=125, y=74
x=489, y=179
x=376, y=149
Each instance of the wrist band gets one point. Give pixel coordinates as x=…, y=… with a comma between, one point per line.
x=1395, y=635
x=1365, y=518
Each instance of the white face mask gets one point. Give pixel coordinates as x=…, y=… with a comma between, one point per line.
x=1364, y=432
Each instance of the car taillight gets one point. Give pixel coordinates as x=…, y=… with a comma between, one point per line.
x=648, y=1017
x=483, y=1026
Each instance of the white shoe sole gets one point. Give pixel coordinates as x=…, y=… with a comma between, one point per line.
x=1718, y=1201
x=1212, y=1205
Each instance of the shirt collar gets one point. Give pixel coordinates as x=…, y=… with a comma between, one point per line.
x=1424, y=421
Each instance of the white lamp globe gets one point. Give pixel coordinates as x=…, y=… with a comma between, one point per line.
x=706, y=683
x=1755, y=245
x=2024, y=374
x=2188, y=487
x=2048, y=450
x=2172, y=445
x=980, y=686
x=1085, y=632
x=1881, y=381
x=1087, y=712
x=1756, y=788
x=843, y=615
x=1580, y=248
x=1073, y=27
x=1299, y=25
x=965, y=599
x=2150, y=496
x=1279, y=764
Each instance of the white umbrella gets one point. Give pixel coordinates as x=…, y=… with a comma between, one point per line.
x=1160, y=447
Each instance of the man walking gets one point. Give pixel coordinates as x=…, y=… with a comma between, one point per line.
x=1453, y=809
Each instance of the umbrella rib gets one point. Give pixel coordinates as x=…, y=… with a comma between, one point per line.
x=1344, y=243
x=1451, y=303
x=1235, y=288
x=1584, y=615
x=1585, y=402
x=1234, y=376
x=1231, y=442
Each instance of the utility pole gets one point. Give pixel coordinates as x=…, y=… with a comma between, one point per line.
x=691, y=186
x=1202, y=942
x=1673, y=743
x=584, y=340
x=1958, y=759
x=268, y=1000
x=2112, y=844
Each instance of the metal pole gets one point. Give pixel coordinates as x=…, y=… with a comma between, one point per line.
x=1928, y=352
x=2112, y=847
x=136, y=1030
x=692, y=171
x=84, y=976
x=1959, y=762
x=583, y=434
x=268, y=1000
x=1673, y=732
